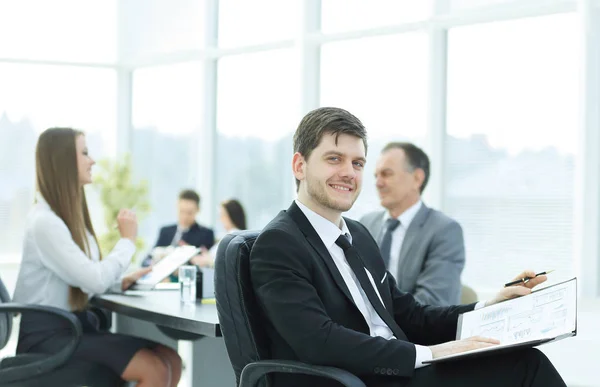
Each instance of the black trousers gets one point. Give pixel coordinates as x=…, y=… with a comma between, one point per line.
x=527, y=368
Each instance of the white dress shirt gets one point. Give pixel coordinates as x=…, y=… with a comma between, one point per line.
x=329, y=232
x=399, y=233
x=52, y=262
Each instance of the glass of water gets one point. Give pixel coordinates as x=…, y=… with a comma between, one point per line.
x=187, y=284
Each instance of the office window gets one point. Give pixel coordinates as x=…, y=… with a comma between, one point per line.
x=69, y=30
x=382, y=81
x=512, y=138
x=259, y=21
x=257, y=114
x=148, y=28
x=347, y=15
x=166, y=116
x=467, y=5
x=32, y=99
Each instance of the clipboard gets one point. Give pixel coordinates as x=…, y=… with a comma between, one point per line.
x=163, y=268
x=544, y=316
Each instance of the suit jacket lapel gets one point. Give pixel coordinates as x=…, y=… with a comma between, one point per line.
x=360, y=242
x=411, y=235
x=315, y=241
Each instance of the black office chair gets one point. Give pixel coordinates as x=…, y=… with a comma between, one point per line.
x=241, y=322
x=59, y=369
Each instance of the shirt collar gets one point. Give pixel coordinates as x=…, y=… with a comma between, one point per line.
x=407, y=216
x=328, y=231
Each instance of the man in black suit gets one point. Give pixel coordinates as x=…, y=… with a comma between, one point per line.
x=328, y=300
x=187, y=231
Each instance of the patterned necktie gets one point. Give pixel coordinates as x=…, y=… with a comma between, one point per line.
x=386, y=243
x=357, y=266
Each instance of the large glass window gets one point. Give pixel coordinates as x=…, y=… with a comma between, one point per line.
x=166, y=116
x=459, y=5
x=257, y=21
x=257, y=113
x=68, y=30
x=148, y=28
x=383, y=82
x=346, y=15
x=32, y=99
x=512, y=137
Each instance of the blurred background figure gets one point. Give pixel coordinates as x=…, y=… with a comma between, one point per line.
x=423, y=248
x=63, y=267
x=185, y=232
x=233, y=218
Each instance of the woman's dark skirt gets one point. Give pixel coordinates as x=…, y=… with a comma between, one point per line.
x=43, y=333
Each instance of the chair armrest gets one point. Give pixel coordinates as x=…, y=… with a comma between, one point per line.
x=47, y=363
x=252, y=372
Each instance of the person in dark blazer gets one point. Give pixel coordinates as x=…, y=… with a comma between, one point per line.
x=187, y=231
x=422, y=247
x=196, y=235
x=327, y=298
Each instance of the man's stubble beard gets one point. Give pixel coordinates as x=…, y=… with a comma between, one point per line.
x=317, y=192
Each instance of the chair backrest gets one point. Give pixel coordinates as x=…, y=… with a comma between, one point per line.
x=468, y=295
x=239, y=315
x=6, y=319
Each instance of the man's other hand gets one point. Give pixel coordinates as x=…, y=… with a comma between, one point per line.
x=464, y=345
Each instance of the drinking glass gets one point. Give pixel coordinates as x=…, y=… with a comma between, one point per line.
x=187, y=284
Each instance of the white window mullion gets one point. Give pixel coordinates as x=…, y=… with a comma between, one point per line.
x=207, y=139
x=436, y=127
x=587, y=178
x=123, y=111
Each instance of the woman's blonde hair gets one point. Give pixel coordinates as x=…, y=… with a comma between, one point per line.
x=57, y=178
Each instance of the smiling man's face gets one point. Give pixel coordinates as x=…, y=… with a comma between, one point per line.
x=331, y=179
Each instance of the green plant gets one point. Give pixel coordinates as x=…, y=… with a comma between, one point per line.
x=117, y=190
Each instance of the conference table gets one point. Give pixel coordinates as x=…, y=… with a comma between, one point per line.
x=192, y=329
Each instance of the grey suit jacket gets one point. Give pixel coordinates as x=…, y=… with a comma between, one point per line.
x=432, y=256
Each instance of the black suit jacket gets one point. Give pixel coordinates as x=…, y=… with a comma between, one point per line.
x=196, y=236
x=311, y=317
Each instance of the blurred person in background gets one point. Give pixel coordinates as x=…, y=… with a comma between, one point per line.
x=185, y=232
x=423, y=248
x=63, y=267
x=233, y=218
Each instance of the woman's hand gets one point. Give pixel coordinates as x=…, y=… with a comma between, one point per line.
x=133, y=277
x=127, y=224
x=203, y=259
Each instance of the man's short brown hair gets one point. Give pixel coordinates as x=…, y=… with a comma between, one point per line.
x=325, y=120
x=190, y=194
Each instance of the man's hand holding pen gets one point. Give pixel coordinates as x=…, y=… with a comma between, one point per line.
x=519, y=288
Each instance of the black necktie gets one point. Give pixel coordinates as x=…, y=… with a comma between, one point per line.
x=386, y=243
x=358, y=268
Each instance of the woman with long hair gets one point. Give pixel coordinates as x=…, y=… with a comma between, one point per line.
x=62, y=266
x=232, y=215
x=233, y=218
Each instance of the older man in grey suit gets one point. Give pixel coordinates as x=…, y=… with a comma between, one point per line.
x=423, y=248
